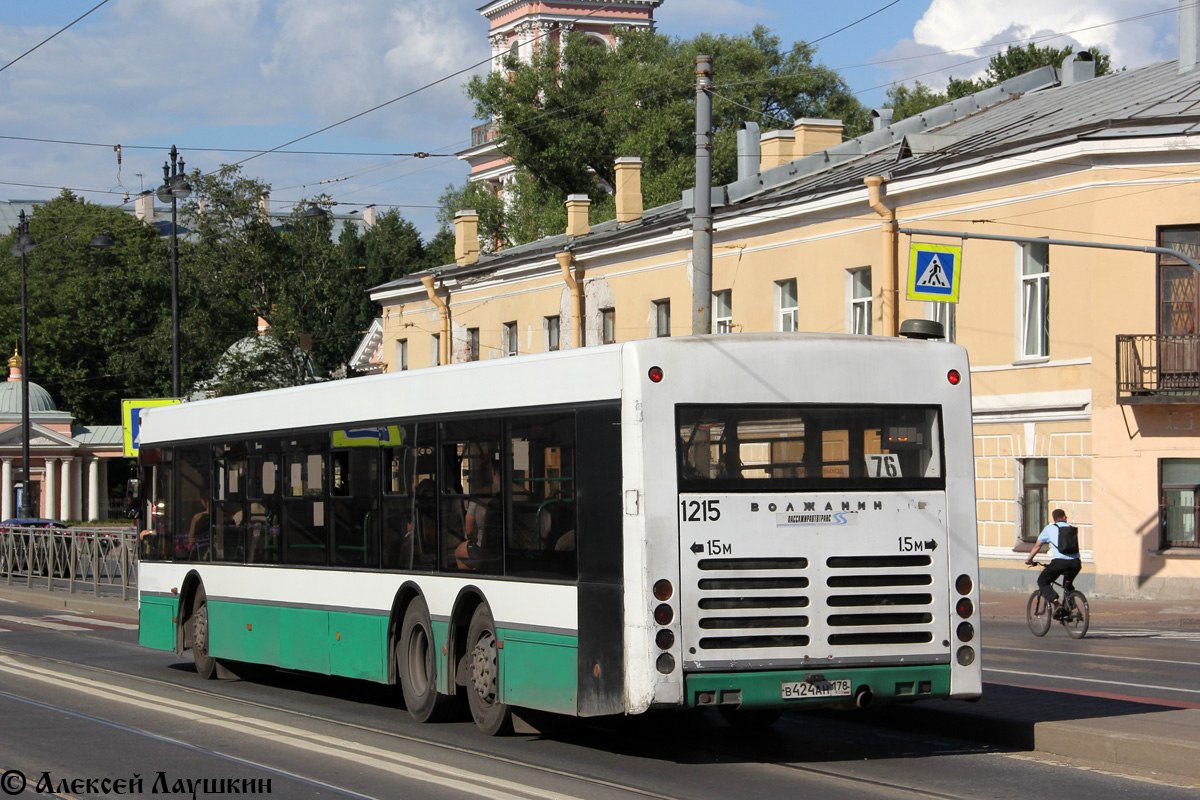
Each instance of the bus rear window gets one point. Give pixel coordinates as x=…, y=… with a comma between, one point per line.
x=808, y=447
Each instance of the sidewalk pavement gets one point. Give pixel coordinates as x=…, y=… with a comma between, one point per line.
x=1143, y=736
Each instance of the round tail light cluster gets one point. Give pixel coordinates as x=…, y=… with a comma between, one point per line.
x=664, y=615
x=965, y=609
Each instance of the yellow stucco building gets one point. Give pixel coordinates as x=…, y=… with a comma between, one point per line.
x=811, y=238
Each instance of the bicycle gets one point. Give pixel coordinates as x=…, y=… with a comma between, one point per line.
x=1072, y=611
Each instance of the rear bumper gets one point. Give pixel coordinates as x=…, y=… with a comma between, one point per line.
x=869, y=685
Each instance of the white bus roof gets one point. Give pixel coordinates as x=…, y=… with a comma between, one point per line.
x=566, y=378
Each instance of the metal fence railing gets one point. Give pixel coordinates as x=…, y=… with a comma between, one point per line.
x=102, y=560
x=1158, y=368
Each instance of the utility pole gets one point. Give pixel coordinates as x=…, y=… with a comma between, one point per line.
x=702, y=226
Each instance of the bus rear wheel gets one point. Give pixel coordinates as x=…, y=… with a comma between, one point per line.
x=206, y=665
x=491, y=714
x=416, y=660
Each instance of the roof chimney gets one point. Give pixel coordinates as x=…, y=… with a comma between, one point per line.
x=1077, y=68
x=143, y=207
x=881, y=118
x=264, y=207
x=1189, y=35
x=813, y=135
x=466, y=237
x=629, y=189
x=577, y=215
x=776, y=149
x=370, y=217
x=749, y=152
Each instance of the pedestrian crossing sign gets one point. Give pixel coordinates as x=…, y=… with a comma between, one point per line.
x=934, y=271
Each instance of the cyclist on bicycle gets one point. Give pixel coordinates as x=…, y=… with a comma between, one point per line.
x=1060, y=564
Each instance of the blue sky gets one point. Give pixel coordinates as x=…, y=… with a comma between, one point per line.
x=219, y=76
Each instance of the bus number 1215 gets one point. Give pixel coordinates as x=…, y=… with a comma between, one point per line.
x=700, y=510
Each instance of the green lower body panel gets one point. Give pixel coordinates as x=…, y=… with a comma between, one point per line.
x=156, y=621
x=539, y=670
x=765, y=689
x=313, y=640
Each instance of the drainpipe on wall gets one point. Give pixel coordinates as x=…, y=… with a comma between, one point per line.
x=444, y=314
x=574, y=284
x=889, y=292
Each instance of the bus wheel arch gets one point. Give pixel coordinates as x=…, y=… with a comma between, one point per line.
x=187, y=594
x=414, y=652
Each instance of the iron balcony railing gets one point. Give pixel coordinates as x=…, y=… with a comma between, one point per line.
x=102, y=560
x=1153, y=368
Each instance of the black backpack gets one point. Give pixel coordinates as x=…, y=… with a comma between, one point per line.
x=1068, y=540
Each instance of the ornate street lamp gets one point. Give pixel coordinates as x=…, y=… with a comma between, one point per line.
x=175, y=188
x=21, y=245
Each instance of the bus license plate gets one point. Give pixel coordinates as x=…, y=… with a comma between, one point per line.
x=796, y=690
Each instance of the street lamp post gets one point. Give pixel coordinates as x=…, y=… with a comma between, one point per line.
x=22, y=245
x=175, y=188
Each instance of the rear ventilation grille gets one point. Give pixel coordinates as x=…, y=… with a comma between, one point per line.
x=753, y=601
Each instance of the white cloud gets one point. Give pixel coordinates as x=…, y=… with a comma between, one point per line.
x=957, y=37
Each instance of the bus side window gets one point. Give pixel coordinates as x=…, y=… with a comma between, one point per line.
x=541, y=464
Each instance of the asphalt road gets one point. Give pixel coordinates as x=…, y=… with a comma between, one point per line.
x=80, y=700
x=1144, y=663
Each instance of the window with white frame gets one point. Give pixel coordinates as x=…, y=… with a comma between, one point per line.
x=401, y=355
x=472, y=344
x=662, y=318
x=608, y=325
x=722, y=303
x=551, y=326
x=1179, y=499
x=1035, y=497
x=509, y=336
x=1035, y=301
x=435, y=349
x=858, y=296
x=787, y=312
x=945, y=314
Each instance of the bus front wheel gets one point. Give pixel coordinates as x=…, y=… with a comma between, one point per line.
x=491, y=714
x=416, y=659
x=206, y=665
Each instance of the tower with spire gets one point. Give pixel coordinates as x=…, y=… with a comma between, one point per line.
x=519, y=27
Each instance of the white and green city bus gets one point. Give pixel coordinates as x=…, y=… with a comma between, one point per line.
x=752, y=522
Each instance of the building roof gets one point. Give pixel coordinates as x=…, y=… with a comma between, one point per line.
x=1027, y=113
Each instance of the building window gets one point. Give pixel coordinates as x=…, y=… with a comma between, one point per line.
x=1035, y=500
x=401, y=355
x=435, y=349
x=608, y=325
x=472, y=344
x=509, y=334
x=943, y=313
x=723, y=311
x=1177, y=283
x=786, y=311
x=1035, y=300
x=1180, y=482
x=858, y=294
x=551, y=326
x=662, y=318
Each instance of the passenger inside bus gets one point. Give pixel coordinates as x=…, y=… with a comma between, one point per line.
x=482, y=527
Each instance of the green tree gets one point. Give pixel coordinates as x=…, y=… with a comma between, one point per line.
x=566, y=117
x=907, y=101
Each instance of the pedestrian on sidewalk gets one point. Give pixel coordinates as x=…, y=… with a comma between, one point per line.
x=1066, y=564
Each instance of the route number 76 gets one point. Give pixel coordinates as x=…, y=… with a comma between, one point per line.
x=885, y=465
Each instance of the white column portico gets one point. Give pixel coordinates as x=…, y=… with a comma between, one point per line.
x=76, y=488
x=102, y=507
x=50, y=487
x=93, y=502
x=64, y=503
x=6, y=504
